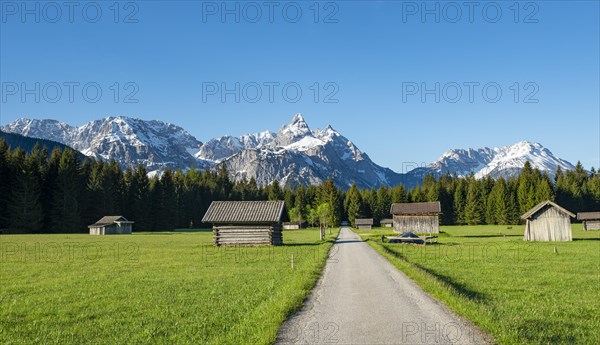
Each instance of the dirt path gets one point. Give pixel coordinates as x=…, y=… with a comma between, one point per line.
x=363, y=299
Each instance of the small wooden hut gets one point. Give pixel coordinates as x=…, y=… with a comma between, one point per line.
x=387, y=223
x=246, y=223
x=294, y=225
x=548, y=222
x=291, y=225
x=111, y=225
x=417, y=217
x=591, y=220
x=363, y=223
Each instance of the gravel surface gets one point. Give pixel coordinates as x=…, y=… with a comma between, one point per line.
x=363, y=299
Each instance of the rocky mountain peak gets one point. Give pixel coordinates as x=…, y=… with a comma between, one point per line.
x=295, y=131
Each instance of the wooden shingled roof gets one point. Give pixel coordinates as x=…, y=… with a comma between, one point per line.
x=108, y=220
x=244, y=212
x=363, y=221
x=543, y=204
x=416, y=208
x=588, y=215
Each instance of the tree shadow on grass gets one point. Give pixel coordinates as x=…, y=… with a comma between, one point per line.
x=490, y=236
x=587, y=239
x=458, y=288
x=546, y=332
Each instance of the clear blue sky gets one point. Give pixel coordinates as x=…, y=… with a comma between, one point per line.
x=368, y=52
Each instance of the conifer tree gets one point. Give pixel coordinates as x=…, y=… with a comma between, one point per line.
x=474, y=208
x=354, y=204
x=275, y=192
x=384, y=203
x=300, y=202
x=168, y=199
x=65, y=205
x=24, y=208
x=399, y=194
x=6, y=176
x=460, y=200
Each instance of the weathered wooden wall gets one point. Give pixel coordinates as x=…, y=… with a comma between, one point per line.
x=245, y=235
x=426, y=224
x=291, y=226
x=591, y=225
x=114, y=229
x=548, y=225
x=386, y=225
x=97, y=231
x=364, y=227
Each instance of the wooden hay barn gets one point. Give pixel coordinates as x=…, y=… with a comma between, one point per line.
x=111, y=225
x=548, y=222
x=591, y=220
x=246, y=223
x=417, y=217
x=363, y=223
x=293, y=225
x=387, y=223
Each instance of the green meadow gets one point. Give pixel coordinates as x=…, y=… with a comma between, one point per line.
x=152, y=288
x=520, y=292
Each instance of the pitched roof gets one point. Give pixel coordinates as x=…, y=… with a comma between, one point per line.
x=244, y=212
x=386, y=221
x=108, y=220
x=363, y=221
x=416, y=208
x=588, y=215
x=543, y=204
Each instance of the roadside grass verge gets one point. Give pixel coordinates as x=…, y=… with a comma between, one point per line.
x=519, y=292
x=152, y=287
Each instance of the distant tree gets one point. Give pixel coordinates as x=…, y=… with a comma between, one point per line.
x=224, y=184
x=325, y=215
x=275, y=192
x=312, y=216
x=300, y=201
x=460, y=200
x=168, y=210
x=475, y=207
x=399, y=194
x=6, y=175
x=25, y=209
x=65, y=205
x=329, y=194
x=295, y=214
x=288, y=197
x=354, y=204
x=138, y=196
x=384, y=203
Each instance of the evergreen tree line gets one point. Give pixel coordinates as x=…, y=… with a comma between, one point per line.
x=59, y=192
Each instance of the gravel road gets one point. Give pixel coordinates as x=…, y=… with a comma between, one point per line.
x=363, y=299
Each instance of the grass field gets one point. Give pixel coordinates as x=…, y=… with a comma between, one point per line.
x=520, y=292
x=152, y=288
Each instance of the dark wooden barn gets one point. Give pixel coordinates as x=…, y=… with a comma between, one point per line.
x=548, y=222
x=246, y=223
x=111, y=225
x=591, y=220
x=363, y=223
x=417, y=217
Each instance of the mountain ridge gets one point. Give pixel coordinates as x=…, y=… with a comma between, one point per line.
x=294, y=155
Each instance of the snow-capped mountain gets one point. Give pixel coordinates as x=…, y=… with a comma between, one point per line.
x=218, y=149
x=295, y=155
x=129, y=141
x=499, y=161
